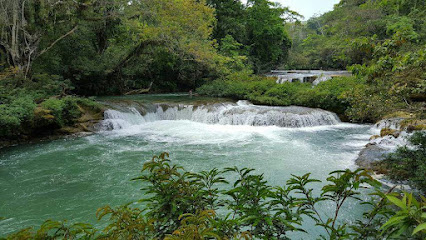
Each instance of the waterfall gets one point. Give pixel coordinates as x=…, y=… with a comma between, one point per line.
x=240, y=113
x=306, y=76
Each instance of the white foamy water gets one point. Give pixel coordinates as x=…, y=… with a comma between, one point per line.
x=241, y=113
x=306, y=76
x=71, y=178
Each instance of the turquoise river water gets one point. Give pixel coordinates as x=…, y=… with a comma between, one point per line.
x=71, y=178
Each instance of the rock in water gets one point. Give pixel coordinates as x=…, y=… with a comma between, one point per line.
x=370, y=154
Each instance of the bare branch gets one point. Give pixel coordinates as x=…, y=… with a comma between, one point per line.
x=57, y=40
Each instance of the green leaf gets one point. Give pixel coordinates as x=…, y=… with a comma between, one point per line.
x=392, y=221
x=421, y=227
x=396, y=201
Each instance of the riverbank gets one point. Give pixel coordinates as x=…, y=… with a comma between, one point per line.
x=352, y=98
x=70, y=179
x=50, y=119
x=397, y=153
x=390, y=133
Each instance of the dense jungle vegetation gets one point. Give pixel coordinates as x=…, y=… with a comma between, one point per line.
x=382, y=42
x=56, y=53
x=53, y=49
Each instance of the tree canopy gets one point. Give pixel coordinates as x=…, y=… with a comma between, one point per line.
x=114, y=46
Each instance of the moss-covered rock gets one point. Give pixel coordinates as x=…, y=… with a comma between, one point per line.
x=54, y=117
x=89, y=116
x=374, y=137
x=399, y=114
x=389, y=132
x=413, y=124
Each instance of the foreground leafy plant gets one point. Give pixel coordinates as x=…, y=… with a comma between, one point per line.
x=409, y=221
x=269, y=213
x=195, y=226
x=125, y=223
x=181, y=205
x=56, y=230
x=343, y=185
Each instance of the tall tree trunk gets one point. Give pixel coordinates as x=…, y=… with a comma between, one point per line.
x=19, y=38
x=14, y=35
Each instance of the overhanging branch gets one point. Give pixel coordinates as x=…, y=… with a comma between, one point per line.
x=57, y=40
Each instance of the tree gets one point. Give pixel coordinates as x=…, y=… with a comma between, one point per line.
x=122, y=46
x=230, y=15
x=24, y=23
x=267, y=38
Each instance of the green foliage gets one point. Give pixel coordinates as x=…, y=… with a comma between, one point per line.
x=48, y=85
x=232, y=51
x=170, y=44
x=181, y=205
x=14, y=113
x=230, y=17
x=366, y=228
x=111, y=46
x=409, y=222
x=195, y=226
x=343, y=186
x=335, y=95
x=55, y=230
x=371, y=104
x=267, y=212
x=30, y=28
x=258, y=26
x=267, y=37
x=381, y=41
x=172, y=194
x=409, y=163
x=25, y=111
x=125, y=223
x=56, y=107
x=348, y=34
x=65, y=110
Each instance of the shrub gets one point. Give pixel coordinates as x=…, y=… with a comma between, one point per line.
x=21, y=116
x=334, y=95
x=71, y=111
x=45, y=85
x=331, y=94
x=183, y=205
x=89, y=104
x=14, y=114
x=56, y=106
x=67, y=110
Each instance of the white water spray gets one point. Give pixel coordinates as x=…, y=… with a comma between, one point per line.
x=240, y=113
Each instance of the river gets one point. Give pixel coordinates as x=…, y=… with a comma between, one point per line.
x=70, y=178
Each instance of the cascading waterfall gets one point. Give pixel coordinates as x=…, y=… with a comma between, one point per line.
x=306, y=76
x=95, y=170
x=240, y=113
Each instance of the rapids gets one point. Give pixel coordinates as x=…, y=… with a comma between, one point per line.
x=241, y=113
x=306, y=76
x=71, y=178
